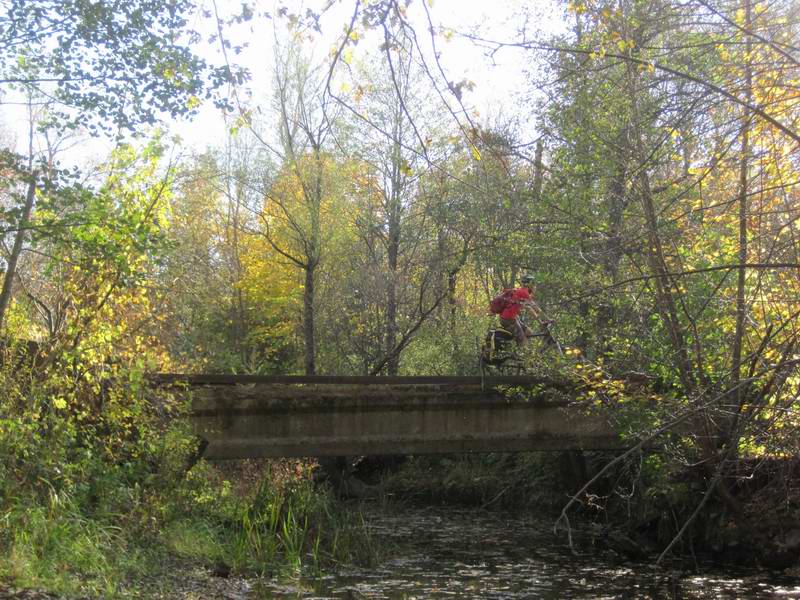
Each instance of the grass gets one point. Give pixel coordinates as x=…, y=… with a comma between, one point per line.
x=276, y=528
x=55, y=547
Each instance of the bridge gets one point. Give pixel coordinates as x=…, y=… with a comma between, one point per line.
x=295, y=416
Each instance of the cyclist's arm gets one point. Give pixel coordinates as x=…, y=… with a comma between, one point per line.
x=534, y=308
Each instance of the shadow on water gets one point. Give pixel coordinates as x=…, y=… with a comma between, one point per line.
x=440, y=553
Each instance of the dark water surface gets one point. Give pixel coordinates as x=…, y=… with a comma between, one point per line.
x=441, y=553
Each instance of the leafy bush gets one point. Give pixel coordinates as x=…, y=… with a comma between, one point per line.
x=95, y=489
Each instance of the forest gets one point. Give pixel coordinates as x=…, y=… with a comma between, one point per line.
x=356, y=202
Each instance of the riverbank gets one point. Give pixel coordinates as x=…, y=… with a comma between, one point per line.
x=216, y=526
x=438, y=552
x=515, y=481
x=472, y=526
x=176, y=580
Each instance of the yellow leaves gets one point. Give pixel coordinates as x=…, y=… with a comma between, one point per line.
x=476, y=154
x=577, y=8
x=306, y=206
x=649, y=67
x=347, y=56
x=59, y=403
x=771, y=354
x=241, y=120
x=599, y=53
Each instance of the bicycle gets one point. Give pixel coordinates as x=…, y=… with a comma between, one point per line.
x=501, y=352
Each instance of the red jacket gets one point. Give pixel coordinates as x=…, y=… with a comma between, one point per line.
x=518, y=296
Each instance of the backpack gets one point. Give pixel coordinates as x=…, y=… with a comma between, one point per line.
x=501, y=302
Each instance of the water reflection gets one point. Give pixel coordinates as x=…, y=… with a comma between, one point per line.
x=439, y=553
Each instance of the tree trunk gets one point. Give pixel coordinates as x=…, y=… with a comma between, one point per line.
x=665, y=298
x=11, y=271
x=308, y=322
x=394, y=216
x=393, y=251
x=538, y=171
x=606, y=314
x=313, y=254
x=740, y=389
x=238, y=307
x=736, y=359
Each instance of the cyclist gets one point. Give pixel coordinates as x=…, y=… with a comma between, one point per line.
x=509, y=304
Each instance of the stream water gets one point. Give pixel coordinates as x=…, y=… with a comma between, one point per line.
x=441, y=553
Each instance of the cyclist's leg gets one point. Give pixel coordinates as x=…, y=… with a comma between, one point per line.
x=527, y=331
x=519, y=330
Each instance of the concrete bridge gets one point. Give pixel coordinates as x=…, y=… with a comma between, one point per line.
x=288, y=416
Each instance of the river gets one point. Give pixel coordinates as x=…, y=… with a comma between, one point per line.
x=463, y=553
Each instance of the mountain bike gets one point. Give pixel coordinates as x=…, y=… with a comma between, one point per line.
x=500, y=351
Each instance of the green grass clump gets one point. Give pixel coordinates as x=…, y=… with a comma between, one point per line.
x=278, y=527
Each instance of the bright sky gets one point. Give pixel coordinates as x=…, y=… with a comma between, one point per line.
x=495, y=83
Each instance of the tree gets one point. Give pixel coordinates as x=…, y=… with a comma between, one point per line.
x=107, y=64
x=391, y=220
x=682, y=193
x=299, y=201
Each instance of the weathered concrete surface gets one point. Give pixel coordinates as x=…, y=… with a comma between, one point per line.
x=331, y=419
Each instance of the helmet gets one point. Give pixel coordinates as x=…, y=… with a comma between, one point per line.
x=526, y=279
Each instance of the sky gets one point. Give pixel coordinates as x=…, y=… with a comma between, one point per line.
x=496, y=82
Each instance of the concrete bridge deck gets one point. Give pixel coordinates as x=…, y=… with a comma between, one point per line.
x=287, y=416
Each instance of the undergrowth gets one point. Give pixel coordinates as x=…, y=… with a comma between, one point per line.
x=96, y=494
x=502, y=480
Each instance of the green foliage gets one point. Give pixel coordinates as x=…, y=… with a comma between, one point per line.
x=95, y=490
x=79, y=473
x=93, y=461
x=118, y=65
x=376, y=250
x=445, y=346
